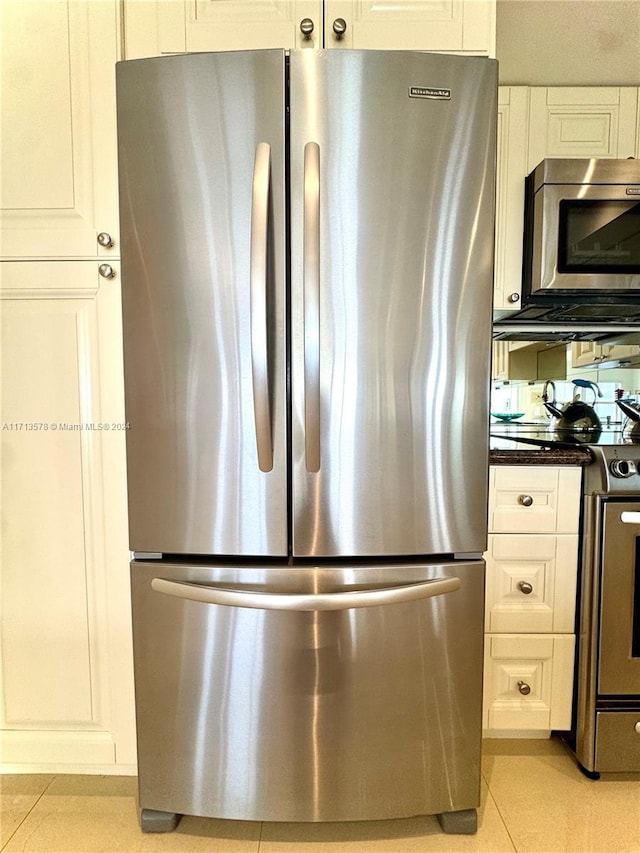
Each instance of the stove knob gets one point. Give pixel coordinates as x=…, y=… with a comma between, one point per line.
x=623, y=468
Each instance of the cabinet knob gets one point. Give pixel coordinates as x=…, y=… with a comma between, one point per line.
x=636, y=728
x=525, y=500
x=524, y=688
x=525, y=588
x=105, y=240
x=106, y=271
x=306, y=27
x=514, y=297
x=339, y=27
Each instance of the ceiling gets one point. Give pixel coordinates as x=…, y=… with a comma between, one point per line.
x=569, y=42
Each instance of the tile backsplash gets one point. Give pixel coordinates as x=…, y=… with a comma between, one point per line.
x=526, y=397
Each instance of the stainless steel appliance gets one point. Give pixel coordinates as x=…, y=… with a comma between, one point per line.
x=606, y=731
x=581, y=254
x=307, y=271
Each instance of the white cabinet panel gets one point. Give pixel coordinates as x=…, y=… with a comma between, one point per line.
x=58, y=153
x=513, y=128
x=155, y=27
x=582, y=122
x=446, y=25
x=528, y=682
x=540, y=499
x=66, y=646
x=531, y=583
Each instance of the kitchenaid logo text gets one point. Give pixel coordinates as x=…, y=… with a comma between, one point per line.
x=427, y=92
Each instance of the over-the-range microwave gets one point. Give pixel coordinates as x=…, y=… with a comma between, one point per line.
x=581, y=249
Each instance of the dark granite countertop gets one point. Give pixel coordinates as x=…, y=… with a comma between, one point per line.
x=540, y=456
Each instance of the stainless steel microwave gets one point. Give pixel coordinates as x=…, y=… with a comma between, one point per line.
x=581, y=259
x=582, y=234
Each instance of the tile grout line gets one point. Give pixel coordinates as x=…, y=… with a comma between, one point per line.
x=260, y=837
x=8, y=841
x=495, y=802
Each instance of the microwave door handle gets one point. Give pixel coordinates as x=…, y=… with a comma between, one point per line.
x=311, y=285
x=258, y=305
x=306, y=601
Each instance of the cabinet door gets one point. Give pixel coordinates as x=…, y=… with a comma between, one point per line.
x=585, y=353
x=531, y=583
x=155, y=27
x=67, y=686
x=513, y=105
x=536, y=499
x=582, y=122
x=528, y=682
x=58, y=153
x=177, y=26
x=463, y=26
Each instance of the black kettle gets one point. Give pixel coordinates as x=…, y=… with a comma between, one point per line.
x=576, y=415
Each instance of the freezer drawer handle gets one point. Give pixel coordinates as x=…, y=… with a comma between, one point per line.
x=303, y=601
x=259, y=322
x=312, y=306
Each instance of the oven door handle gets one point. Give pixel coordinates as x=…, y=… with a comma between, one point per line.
x=306, y=601
x=630, y=517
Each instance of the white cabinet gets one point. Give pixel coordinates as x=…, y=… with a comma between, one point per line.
x=540, y=122
x=58, y=153
x=532, y=562
x=534, y=499
x=528, y=682
x=591, y=354
x=582, y=122
x=513, y=115
x=155, y=27
x=67, y=685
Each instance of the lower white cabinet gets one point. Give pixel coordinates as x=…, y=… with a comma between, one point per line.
x=66, y=678
x=530, y=599
x=528, y=682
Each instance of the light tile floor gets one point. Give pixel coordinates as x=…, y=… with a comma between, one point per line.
x=533, y=799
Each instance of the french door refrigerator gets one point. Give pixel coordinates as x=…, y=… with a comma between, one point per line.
x=307, y=258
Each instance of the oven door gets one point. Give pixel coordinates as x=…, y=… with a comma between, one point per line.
x=585, y=238
x=619, y=652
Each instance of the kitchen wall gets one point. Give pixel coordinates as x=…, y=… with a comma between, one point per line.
x=568, y=42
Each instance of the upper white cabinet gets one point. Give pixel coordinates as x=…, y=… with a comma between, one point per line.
x=465, y=26
x=178, y=26
x=58, y=153
x=513, y=126
x=582, y=122
x=538, y=123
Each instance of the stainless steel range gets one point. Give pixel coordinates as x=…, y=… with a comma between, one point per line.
x=606, y=730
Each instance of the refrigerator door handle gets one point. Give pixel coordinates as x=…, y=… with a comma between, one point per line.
x=311, y=264
x=303, y=601
x=259, y=319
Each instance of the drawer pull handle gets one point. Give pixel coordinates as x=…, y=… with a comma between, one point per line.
x=525, y=500
x=525, y=587
x=636, y=728
x=524, y=688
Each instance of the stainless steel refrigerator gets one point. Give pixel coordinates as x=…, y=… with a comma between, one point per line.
x=307, y=256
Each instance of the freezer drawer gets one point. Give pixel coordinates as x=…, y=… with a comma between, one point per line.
x=271, y=710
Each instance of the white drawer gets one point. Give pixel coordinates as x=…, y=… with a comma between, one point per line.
x=531, y=583
x=528, y=682
x=534, y=499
